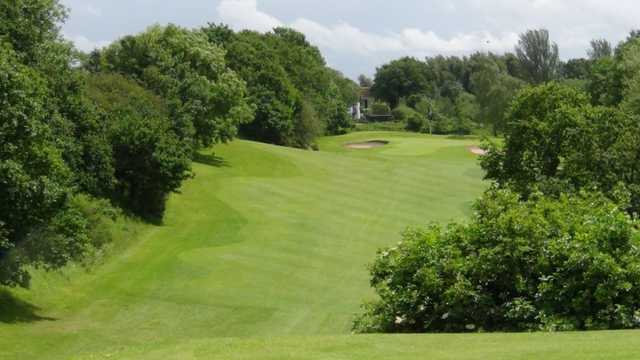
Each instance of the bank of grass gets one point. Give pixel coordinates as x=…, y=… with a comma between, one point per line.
x=263, y=256
x=548, y=346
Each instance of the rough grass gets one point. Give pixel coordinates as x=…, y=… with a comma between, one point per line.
x=263, y=256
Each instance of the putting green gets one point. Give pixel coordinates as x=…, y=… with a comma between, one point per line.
x=262, y=255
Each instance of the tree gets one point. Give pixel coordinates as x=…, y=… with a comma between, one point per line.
x=566, y=263
x=34, y=179
x=466, y=111
x=401, y=78
x=149, y=159
x=535, y=136
x=494, y=89
x=538, y=56
x=576, y=69
x=207, y=101
x=600, y=48
x=604, y=82
x=280, y=89
x=365, y=81
x=52, y=144
x=271, y=93
x=556, y=140
x=29, y=25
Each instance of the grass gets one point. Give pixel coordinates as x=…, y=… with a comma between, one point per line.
x=263, y=256
x=381, y=126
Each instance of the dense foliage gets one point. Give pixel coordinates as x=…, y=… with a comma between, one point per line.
x=51, y=144
x=205, y=98
x=554, y=244
x=286, y=74
x=542, y=264
x=555, y=138
x=149, y=159
x=81, y=133
x=474, y=92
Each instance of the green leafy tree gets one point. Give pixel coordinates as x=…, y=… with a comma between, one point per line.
x=207, y=100
x=494, y=89
x=538, y=56
x=576, y=69
x=285, y=74
x=566, y=263
x=466, y=111
x=604, y=85
x=52, y=147
x=150, y=160
x=270, y=91
x=556, y=140
x=535, y=136
x=34, y=179
x=600, y=48
x=400, y=79
x=31, y=27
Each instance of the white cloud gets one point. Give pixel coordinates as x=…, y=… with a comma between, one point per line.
x=358, y=35
x=346, y=38
x=244, y=14
x=83, y=43
x=93, y=10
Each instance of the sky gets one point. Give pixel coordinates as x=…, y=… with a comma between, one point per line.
x=357, y=36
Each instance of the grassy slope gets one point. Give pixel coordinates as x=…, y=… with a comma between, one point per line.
x=270, y=241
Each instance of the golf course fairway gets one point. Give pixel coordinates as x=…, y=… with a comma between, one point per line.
x=263, y=255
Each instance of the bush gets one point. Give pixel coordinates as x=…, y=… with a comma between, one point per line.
x=443, y=125
x=380, y=108
x=543, y=264
x=402, y=113
x=416, y=122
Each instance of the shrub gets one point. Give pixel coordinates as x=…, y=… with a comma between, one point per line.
x=416, y=122
x=542, y=264
x=443, y=125
x=402, y=113
x=380, y=108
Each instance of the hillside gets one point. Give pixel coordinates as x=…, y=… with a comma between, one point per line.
x=263, y=255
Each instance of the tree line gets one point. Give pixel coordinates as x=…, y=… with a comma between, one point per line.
x=85, y=138
x=446, y=95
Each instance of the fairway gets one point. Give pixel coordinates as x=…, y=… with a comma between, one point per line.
x=263, y=255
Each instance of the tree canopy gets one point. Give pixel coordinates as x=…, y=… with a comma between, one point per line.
x=206, y=99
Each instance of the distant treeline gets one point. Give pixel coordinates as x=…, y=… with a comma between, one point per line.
x=457, y=94
x=85, y=137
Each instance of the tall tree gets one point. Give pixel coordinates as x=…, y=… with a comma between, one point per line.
x=402, y=78
x=494, y=89
x=51, y=144
x=365, y=81
x=600, y=48
x=206, y=99
x=538, y=55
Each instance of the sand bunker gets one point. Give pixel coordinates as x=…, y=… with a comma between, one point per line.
x=367, y=144
x=476, y=150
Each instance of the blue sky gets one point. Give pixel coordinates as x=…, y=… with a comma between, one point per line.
x=356, y=36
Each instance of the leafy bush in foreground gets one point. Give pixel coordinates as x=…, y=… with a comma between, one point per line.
x=541, y=264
